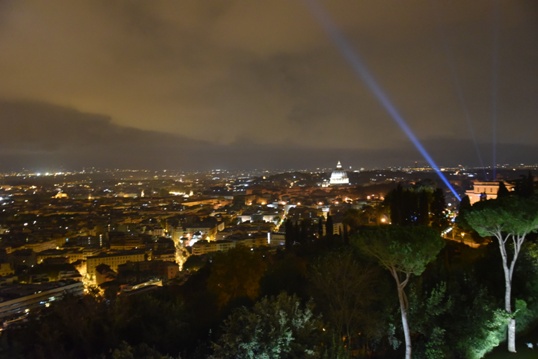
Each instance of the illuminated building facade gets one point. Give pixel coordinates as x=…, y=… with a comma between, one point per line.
x=113, y=260
x=485, y=190
x=339, y=176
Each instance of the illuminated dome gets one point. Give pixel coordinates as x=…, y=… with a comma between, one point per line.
x=339, y=176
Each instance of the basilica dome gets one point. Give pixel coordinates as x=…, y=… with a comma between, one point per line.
x=339, y=176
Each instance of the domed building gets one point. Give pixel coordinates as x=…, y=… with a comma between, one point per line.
x=338, y=176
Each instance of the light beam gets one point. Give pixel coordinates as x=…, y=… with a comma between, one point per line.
x=361, y=71
x=457, y=84
x=495, y=86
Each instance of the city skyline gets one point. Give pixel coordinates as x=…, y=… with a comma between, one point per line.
x=233, y=85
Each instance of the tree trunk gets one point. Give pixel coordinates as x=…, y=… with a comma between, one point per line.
x=400, y=286
x=405, y=324
x=508, y=272
x=512, y=321
x=512, y=335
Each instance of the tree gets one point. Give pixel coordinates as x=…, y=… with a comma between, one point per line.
x=329, y=227
x=287, y=272
x=464, y=207
x=275, y=328
x=509, y=220
x=290, y=236
x=304, y=231
x=426, y=309
x=439, y=220
x=502, y=191
x=422, y=217
x=352, y=219
x=343, y=286
x=403, y=251
x=126, y=351
x=139, y=319
x=396, y=204
x=236, y=274
x=369, y=215
x=408, y=206
x=67, y=329
x=320, y=226
x=525, y=186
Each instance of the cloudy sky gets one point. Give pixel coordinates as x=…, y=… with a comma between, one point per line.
x=243, y=84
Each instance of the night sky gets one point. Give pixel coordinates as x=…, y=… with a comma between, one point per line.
x=261, y=84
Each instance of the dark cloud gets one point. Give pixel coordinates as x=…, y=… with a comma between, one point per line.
x=222, y=73
x=41, y=137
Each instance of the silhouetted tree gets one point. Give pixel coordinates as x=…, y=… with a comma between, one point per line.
x=286, y=273
x=236, y=274
x=525, y=186
x=464, y=207
x=439, y=220
x=289, y=234
x=126, y=351
x=369, y=215
x=343, y=287
x=408, y=206
x=502, y=191
x=352, y=219
x=396, y=204
x=304, y=231
x=422, y=216
x=153, y=318
x=329, y=227
x=320, y=226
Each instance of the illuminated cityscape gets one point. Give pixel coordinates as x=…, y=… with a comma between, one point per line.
x=129, y=232
x=284, y=179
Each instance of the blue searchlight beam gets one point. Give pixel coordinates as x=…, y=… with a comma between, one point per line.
x=362, y=72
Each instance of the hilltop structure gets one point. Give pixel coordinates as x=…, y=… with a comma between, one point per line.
x=483, y=190
x=339, y=176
